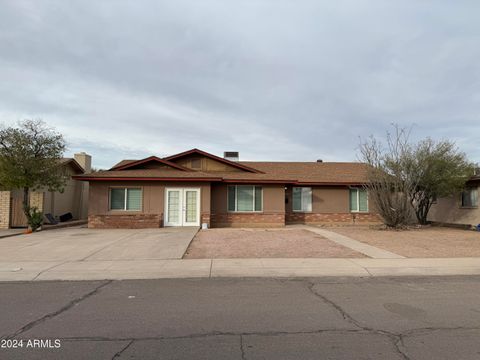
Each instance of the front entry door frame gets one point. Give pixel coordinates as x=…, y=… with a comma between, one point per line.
x=180, y=218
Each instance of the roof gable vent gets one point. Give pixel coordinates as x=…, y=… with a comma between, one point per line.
x=231, y=155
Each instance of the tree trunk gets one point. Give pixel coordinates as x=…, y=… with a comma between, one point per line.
x=26, y=198
x=422, y=211
x=26, y=203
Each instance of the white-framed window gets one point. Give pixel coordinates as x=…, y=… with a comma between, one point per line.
x=302, y=199
x=245, y=198
x=470, y=197
x=126, y=199
x=358, y=200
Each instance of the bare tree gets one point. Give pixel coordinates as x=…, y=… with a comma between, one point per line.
x=387, y=185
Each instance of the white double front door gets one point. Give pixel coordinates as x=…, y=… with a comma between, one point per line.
x=182, y=207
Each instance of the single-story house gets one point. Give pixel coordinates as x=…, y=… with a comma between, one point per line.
x=74, y=198
x=459, y=209
x=194, y=188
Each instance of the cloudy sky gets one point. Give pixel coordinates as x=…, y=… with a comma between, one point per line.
x=282, y=80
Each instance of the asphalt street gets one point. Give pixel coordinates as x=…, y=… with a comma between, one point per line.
x=316, y=318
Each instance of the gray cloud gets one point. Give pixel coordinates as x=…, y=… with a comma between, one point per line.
x=278, y=80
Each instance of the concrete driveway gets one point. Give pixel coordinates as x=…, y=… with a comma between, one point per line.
x=83, y=244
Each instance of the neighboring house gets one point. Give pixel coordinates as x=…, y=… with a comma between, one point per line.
x=74, y=198
x=459, y=209
x=195, y=187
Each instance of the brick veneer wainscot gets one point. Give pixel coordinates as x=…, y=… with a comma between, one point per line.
x=205, y=219
x=125, y=221
x=332, y=218
x=248, y=220
x=4, y=209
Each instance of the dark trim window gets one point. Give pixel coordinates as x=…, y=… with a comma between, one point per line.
x=302, y=199
x=126, y=199
x=358, y=200
x=245, y=198
x=470, y=197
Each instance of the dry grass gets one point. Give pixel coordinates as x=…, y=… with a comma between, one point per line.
x=264, y=243
x=423, y=242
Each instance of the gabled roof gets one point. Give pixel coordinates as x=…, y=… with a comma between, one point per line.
x=297, y=173
x=75, y=165
x=128, y=164
x=213, y=157
x=300, y=173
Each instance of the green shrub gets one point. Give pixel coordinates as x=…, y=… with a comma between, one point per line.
x=34, y=218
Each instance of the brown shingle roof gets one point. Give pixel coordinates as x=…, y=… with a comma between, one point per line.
x=121, y=163
x=314, y=172
x=283, y=172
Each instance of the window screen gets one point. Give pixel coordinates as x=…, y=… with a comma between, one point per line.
x=117, y=199
x=126, y=199
x=134, y=199
x=302, y=199
x=358, y=200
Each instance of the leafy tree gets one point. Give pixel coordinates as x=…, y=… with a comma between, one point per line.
x=30, y=157
x=438, y=169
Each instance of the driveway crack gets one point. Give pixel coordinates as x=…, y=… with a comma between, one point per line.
x=67, y=307
x=48, y=269
x=106, y=246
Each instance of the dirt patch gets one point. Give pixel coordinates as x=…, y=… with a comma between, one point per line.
x=264, y=243
x=425, y=242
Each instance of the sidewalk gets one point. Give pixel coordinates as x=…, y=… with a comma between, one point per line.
x=207, y=268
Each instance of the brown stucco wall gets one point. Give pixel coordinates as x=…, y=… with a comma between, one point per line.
x=324, y=199
x=71, y=200
x=273, y=213
x=152, y=211
x=330, y=205
x=448, y=210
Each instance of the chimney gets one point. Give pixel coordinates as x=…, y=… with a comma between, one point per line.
x=84, y=160
x=231, y=155
x=319, y=160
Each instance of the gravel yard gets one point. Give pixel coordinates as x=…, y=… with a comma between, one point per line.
x=264, y=243
x=424, y=242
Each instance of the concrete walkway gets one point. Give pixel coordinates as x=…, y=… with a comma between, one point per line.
x=208, y=268
x=365, y=249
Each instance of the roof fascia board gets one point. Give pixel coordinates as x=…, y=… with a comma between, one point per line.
x=185, y=179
